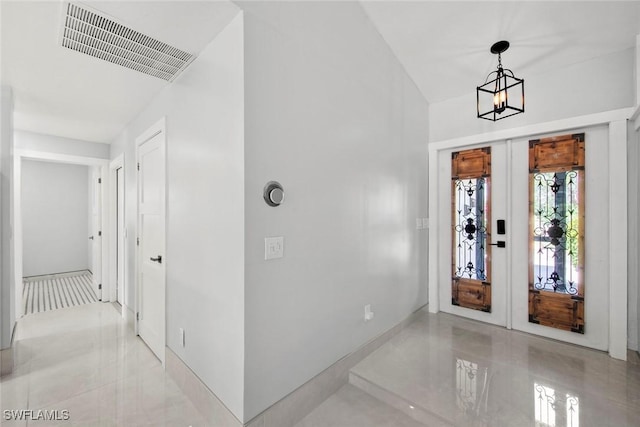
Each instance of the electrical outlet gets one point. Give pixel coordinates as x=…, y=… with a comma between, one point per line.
x=368, y=314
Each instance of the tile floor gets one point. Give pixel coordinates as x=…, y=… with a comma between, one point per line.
x=447, y=371
x=439, y=371
x=85, y=360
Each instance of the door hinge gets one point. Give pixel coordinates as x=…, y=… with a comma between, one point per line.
x=138, y=166
x=138, y=316
x=99, y=233
x=137, y=241
x=100, y=286
x=99, y=180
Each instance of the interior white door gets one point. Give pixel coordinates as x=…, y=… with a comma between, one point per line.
x=96, y=232
x=120, y=236
x=151, y=246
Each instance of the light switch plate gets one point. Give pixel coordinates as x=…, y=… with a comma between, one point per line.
x=273, y=247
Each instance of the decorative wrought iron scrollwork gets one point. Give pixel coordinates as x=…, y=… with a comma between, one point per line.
x=473, y=383
x=555, y=408
x=556, y=231
x=470, y=228
x=546, y=396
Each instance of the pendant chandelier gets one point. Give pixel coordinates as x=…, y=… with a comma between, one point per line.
x=502, y=94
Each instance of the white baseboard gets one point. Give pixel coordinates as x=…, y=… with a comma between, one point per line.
x=290, y=409
x=300, y=402
x=6, y=361
x=129, y=317
x=205, y=401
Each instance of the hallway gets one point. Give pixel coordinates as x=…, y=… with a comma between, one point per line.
x=85, y=360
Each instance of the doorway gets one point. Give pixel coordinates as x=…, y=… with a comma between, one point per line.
x=95, y=238
x=117, y=239
x=99, y=165
x=510, y=263
x=120, y=247
x=486, y=202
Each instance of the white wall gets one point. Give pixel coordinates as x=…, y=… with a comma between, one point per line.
x=55, y=144
x=633, y=249
x=634, y=210
x=7, y=315
x=205, y=212
x=602, y=84
x=333, y=117
x=54, y=217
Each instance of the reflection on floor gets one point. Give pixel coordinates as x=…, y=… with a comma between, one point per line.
x=85, y=360
x=54, y=291
x=447, y=371
x=439, y=371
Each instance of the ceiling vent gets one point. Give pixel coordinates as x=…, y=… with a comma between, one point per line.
x=90, y=33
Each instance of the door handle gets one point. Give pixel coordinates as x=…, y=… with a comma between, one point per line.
x=500, y=244
x=90, y=237
x=158, y=259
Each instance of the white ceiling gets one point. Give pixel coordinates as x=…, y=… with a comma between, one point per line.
x=61, y=92
x=443, y=45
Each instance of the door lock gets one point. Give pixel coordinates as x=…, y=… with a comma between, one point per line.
x=90, y=237
x=158, y=259
x=500, y=244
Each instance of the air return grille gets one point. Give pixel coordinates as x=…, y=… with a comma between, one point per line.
x=92, y=34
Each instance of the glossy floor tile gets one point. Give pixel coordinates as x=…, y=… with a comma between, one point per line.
x=351, y=406
x=446, y=371
x=439, y=371
x=84, y=360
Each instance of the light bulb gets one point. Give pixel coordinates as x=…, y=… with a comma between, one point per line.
x=499, y=101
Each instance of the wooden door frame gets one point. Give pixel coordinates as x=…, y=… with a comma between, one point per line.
x=157, y=128
x=616, y=120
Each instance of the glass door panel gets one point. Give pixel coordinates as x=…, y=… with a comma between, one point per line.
x=556, y=254
x=471, y=253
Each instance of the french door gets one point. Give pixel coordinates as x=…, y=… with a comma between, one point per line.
x=471, y=228
x=472, y=198
x=521, y=241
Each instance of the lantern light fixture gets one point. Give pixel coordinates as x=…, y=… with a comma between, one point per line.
x=502, y=94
